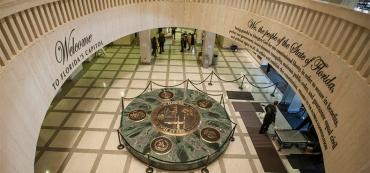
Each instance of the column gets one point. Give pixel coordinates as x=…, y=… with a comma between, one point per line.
x=208, y=45
x=199, y=35
x=145, y=47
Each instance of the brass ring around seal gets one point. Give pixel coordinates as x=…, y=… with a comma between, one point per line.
x=204, y=103
x=137, y=115
x=210, y=135
x=166, y=94
x=161, y=145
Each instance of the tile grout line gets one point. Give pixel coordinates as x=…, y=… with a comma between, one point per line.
x=129, y=157
x=65, y=119
x=84, y=129
x=113, y=122
x=110, y=130
x=242, y=140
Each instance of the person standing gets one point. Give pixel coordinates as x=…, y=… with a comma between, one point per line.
x=136, y=38
x=154, y=46
x=161, y=40
x=188, y=39
x=183, y=42
x=268, y=68
x=185, y=39
x=269, y=117
x=192, y=42
x=173, y=32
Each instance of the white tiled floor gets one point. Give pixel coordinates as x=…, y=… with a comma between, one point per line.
x=237, y=165
x=92, y=140
x=77, y=120
x=54, y=118
x=65, y=139
x=66, y=104
x=50, y=161
x=45, y=135
x=112, y=163
x=78, y=133
x=80, y=162
x=109, y=106
x=101, y=121
x=235, y=147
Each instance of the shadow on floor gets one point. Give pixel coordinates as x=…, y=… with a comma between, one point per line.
x=307, y=163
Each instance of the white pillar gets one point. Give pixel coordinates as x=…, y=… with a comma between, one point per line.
x=208, y=45
x=145, y=47
x=199, y=35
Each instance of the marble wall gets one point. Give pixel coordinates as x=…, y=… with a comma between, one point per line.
x=336, y=94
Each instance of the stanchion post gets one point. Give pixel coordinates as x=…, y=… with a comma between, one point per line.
x=120, y=145
x=273, y=93
x=205, y=169
x=241, y=85
x=122, y=104
x=210, y=81
x=186, y=88
x=149, y=169
x=232, y=134
x=187, y=84
x=151, y=86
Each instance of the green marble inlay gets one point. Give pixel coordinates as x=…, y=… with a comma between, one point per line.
x=187, y=152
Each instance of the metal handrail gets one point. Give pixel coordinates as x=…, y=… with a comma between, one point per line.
x=228, y=138
x=218, y=150
x=194, y=83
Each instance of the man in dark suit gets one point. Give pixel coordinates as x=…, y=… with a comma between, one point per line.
x=154, y=46
x=269, y=117
x=161, y=40
x=183, y=42
x=173, y=31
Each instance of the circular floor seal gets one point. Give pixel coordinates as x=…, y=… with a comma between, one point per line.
x=161, y=145
x=137, y=115
x=204, y=104
x=166, y=94
x=210, y=134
